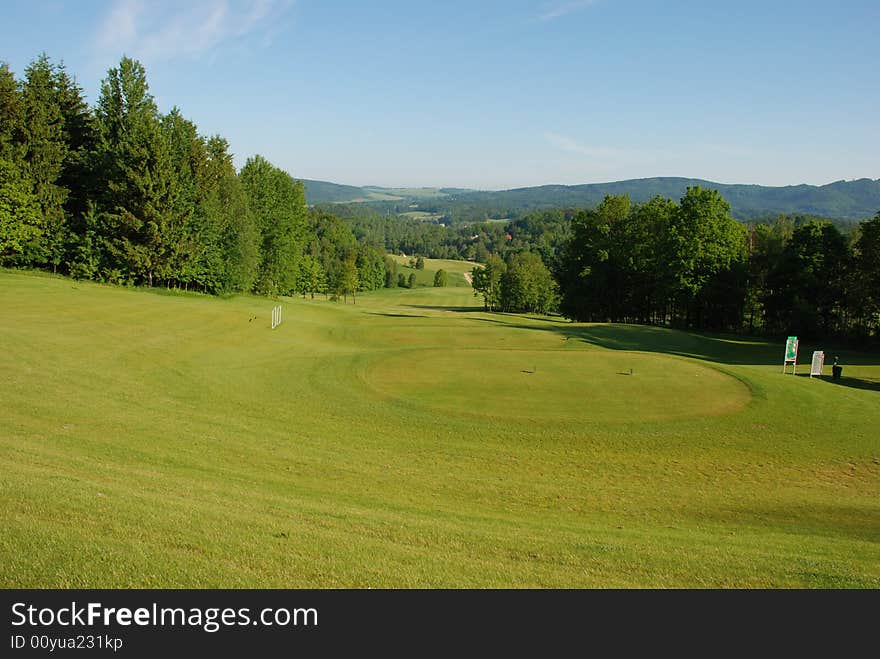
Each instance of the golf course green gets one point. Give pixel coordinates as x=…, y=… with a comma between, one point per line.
x=150, y=439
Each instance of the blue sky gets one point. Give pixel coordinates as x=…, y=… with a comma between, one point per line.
x=496, y=94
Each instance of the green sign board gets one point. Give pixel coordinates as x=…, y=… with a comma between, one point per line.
x=791, y=346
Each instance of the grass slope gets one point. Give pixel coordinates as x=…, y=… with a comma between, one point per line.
x=322, y=192
x=413, y=440
x=455, y=271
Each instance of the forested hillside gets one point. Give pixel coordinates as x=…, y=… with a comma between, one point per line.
x=841, y=200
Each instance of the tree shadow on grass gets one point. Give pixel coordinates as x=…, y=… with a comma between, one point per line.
x=644, y=338
x=441, y=308
x=855, y=383
x=396, y=315
x=844, y=381
x=501, y=314
x=721, y=348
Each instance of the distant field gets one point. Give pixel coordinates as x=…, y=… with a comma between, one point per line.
x=375, y=195
x=422, y=215
x=454, y=269
x=370, y=196
x=150, y=439
x=410, y=193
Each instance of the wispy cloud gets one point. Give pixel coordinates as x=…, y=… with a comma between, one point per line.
x=571, y=145
x=710, y=160
x=164, y=30
x=565, y=9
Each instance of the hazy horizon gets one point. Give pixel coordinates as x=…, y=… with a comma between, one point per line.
x=555, y=183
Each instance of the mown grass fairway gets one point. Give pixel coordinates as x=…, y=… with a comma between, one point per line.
x=152, y=440
x=554, y=387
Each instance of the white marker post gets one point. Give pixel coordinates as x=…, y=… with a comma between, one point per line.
x=276, y=316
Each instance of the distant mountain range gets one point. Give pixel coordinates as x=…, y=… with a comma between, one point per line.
x=859, y=199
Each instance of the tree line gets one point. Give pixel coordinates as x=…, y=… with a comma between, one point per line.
x=689, y=264
x=122, y=193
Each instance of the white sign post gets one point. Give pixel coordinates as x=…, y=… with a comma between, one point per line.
x=818, y=363
x=276, y=316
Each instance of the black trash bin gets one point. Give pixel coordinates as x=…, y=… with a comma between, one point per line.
x=836, y=370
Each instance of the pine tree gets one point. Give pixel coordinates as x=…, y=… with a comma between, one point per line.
x=77, y=176
x=193, y=233
x=11, y=138
x=45, y=151
x=141, y=212
x=20, y=220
